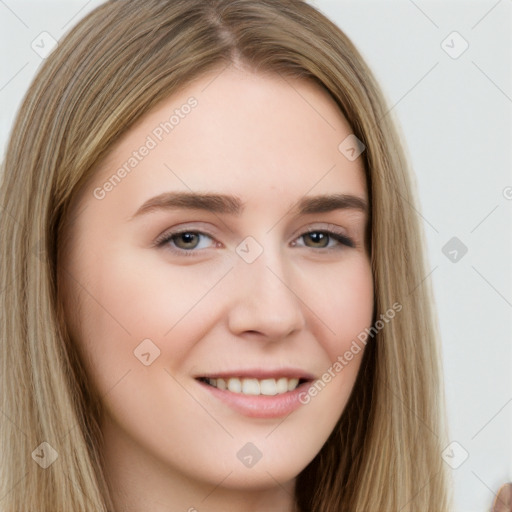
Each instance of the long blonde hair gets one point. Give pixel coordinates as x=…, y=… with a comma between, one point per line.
x=122, y=59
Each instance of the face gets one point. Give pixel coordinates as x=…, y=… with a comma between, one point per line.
x=213, y=279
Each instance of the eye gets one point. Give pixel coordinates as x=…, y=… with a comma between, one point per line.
x=324, y=239
x=185, y=241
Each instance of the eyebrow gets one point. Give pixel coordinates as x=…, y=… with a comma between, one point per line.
x=232, y=205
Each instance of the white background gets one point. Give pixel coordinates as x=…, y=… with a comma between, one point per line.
x=455, y=117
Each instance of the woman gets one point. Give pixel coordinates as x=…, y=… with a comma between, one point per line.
x=216, y=286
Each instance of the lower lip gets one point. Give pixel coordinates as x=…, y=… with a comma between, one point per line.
x=260, y=406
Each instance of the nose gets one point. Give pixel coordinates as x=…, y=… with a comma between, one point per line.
x=264, y=301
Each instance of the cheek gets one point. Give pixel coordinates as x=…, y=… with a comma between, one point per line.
x=126, y=297
x=345, y=306
x=343, y=299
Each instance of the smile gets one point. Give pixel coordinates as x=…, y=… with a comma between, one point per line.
x=251, y=386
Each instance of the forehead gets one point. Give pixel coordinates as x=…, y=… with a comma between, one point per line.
x=237, y=132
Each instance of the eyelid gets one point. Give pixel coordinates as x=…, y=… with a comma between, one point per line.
x=182, y=228
x=202, y=228
x=321, y=226
x=336, y=232
x=333, y=231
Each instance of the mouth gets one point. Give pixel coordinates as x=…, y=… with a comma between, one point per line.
x=258, y=393
x=253, y=386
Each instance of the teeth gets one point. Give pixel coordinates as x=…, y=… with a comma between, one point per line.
x=292, y=384
x=235, y=385
x=268, y=387
x=282, y=385
x=250, y=387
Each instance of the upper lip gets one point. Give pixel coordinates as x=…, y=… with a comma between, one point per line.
x=259, y=373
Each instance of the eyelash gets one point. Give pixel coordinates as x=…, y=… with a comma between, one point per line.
x=168, y=237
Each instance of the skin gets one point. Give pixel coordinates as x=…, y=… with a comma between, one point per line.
x=169, y=444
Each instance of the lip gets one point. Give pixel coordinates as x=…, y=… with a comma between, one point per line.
x=260, y=406
x=260, y=374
